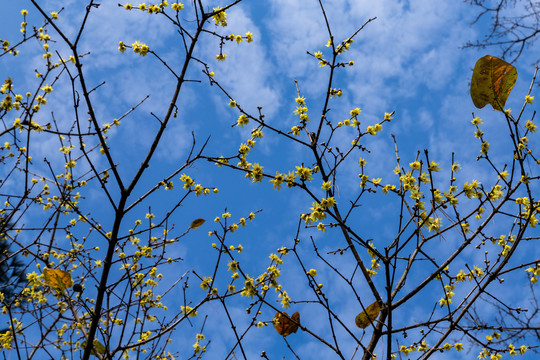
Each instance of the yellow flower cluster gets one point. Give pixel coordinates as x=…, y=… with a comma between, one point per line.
x=476, y=272
x=220, y=18
x=189, y=184
x=448, y=294
x=140, y=48
x=534, y=273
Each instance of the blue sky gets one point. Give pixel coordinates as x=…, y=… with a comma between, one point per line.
x=408, y=60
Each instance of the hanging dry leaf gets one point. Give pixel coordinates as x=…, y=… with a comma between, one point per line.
x=366, y=317
x=197, y=223
x=284, y=325
x=492, y=81
x=99, y=347
x=57, y=279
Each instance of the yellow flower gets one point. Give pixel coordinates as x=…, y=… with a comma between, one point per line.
x=205, y=284
x=530, y=126
x=233, y=265
x=256, y=174
x=355, y=112
x=242, y=120
x=188, y=309
x=140, y=48
x=220, y=18
x=304, y=173
x=476, y=121
x=328, y=202
x=300, y=100
x=415, y=165
x=443, y=302
x=47, y=88
x=433, y=166
x=177, y=6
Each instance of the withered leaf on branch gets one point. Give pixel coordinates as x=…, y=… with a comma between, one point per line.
x=284, y=324
x=366, y=317
x=57, y=279
x=197, y=223
x=99, y=347
x=492, y=81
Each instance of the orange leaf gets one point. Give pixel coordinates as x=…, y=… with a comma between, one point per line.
x=492, y=81
x=57, y=279
x=286, y=325
x=197, y=223
x=367, y=316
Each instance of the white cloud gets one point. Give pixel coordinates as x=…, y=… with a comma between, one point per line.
x=247, y=72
